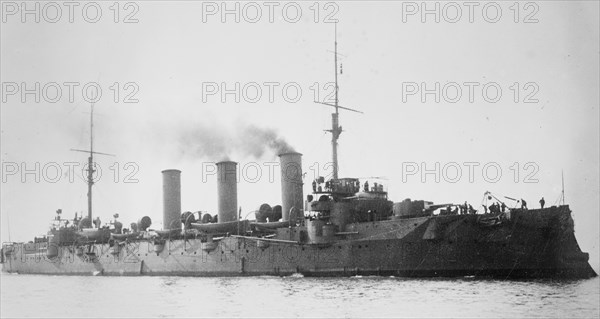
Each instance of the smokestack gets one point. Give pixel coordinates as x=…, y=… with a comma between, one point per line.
x=171, y=199
x=291, y=183
x=227, y=191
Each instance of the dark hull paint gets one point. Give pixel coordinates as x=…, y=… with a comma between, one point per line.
x=532, y=244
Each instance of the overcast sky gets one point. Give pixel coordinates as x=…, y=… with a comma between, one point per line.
x=175, y=55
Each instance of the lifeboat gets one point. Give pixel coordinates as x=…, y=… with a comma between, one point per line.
x=165, y=233
x=124, y=236
x=94, y=234
x=234, y=227
x=270, y=226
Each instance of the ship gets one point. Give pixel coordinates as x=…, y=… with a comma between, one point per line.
x=345, y=227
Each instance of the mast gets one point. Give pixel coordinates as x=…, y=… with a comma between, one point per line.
x=336, y=130
x=562, y=175
x=91, y=163
x=90, y=170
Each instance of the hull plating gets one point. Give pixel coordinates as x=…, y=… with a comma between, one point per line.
x=531, y=244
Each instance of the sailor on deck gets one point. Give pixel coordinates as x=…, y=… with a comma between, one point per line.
x=523, y=204
x=472, y=210
x=463, y=209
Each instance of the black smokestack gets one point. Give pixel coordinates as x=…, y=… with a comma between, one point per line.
x=227, y=191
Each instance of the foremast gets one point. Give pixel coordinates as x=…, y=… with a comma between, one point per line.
x=336, y=130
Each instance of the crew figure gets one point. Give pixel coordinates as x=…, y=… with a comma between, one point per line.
x=523, y=204
x=314, y=186
x=472, y=210
x=97, y=222
x=503, y=207
x=366, y=186
x=542, y=202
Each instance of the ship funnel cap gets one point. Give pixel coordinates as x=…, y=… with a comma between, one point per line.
x=289, y=153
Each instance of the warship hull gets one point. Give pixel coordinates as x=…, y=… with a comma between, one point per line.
x=527, y=244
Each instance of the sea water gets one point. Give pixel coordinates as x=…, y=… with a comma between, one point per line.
x=295, y=296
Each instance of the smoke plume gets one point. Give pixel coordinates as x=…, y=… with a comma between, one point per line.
x=257, y=141
x=219, y=143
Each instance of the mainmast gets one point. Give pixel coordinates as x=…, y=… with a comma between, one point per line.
x=91, y=163
x=90, y=169
x=562, y=177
